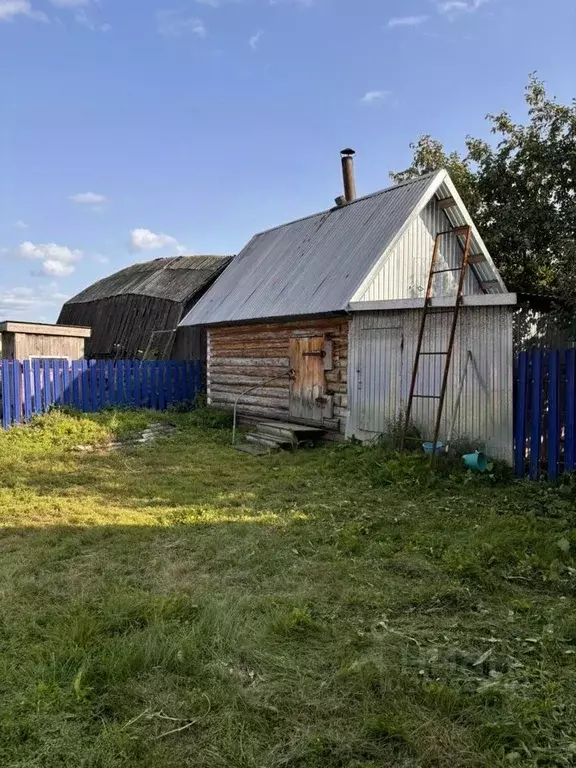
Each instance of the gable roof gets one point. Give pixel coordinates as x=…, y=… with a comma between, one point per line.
x=317, y=265
x=178, y=279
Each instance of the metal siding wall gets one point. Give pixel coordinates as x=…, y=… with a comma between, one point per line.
x=405, y=273
x=485, y=415
x=379, y=387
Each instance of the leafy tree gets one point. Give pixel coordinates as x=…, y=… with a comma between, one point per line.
x=521, y=192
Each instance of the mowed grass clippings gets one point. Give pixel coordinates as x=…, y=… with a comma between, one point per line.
x=183, y=604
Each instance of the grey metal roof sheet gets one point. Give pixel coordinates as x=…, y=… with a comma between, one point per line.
x=177, y=279
x=312, y=265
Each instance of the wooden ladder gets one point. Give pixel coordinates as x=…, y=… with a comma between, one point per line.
x=427, y=310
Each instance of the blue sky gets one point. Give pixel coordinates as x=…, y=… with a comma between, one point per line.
x=131, y=129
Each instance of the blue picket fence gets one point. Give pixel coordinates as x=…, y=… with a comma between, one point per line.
x=545, y=414
x=31, y=387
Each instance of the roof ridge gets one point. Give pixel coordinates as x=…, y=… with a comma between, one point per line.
x=383, y=191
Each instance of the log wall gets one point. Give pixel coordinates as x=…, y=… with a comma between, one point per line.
x=242, y=356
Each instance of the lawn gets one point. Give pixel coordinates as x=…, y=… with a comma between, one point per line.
x=183, y=604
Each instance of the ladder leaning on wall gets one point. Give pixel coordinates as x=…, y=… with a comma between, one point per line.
x=429, y=309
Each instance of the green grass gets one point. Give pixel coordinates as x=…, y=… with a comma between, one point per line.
x=182, y=604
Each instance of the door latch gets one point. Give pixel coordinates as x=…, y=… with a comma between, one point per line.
x=321, y=353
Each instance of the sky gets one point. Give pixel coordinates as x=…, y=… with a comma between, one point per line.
x=135, y=129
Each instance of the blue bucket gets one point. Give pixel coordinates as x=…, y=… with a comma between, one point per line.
x=476, y=461
x=429, y=448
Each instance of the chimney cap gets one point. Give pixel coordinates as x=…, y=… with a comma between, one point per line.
x=347, y=151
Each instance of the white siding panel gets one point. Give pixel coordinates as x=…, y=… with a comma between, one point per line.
x=485, y=415
x=379, y=383
x=404, y=275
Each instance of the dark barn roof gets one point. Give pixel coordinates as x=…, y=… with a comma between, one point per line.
x=177, y=279
x=125, y=308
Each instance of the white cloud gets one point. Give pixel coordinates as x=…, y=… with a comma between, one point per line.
x=146, y=240
x=57, y=268
x=372, y=97
x=70, y=3
x=99, y=258
x=10, y=9
x=23, y=301
x=255, y=39
x=80, y=10
x=57, y=260
x=407, y=21
x=304, y=3
x=453, y=8
x=88, y=198
x=20, y=224
x=176, y=24
x=82, y=18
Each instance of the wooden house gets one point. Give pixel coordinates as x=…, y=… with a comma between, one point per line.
x=134, y=312
x=316, y=321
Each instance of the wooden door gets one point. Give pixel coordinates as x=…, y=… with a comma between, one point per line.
x=308, y=398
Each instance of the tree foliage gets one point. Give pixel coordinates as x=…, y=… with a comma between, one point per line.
x=521, y=191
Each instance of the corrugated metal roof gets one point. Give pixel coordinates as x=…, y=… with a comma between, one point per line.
x=177, y=279
x=316, y=265
x=313, y=265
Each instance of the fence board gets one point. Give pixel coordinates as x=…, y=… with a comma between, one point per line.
x=27, y=388
x=6, y=399
x=16, y=393
x=37, y=386
x=570, y=428
x=137, y=387
x=520, y=421
x=145, y=380
x=66, y=384
x=553, y=414
x=26, y=372
x=198, y=378
x=46, y=385
x=126, y=368
x=177, y=383
x=84, y=386
x=58, y=381
x=535, y=413
x=161, y=379
x=93, y=386
x=76, y=402
x=119, y=382
x=153, y=386
x=110, y=389
x=101, y=365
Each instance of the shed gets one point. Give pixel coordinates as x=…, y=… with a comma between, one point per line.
x=134, y=312
x=30, y=341
x=316, y=321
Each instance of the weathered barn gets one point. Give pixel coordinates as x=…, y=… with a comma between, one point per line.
x=32, y=341
x=316, y=321
x=134, y=312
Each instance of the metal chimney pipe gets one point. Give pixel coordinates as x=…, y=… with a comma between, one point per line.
x=347, y=156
